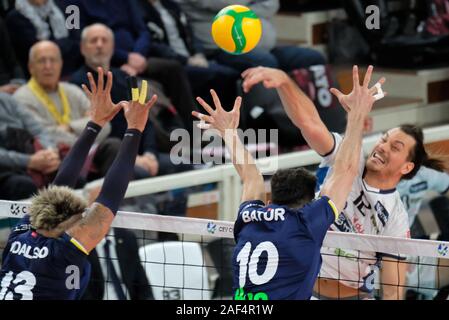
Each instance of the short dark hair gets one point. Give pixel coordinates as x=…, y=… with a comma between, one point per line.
x=418, y=154
x=292, y=187
x=54, y=205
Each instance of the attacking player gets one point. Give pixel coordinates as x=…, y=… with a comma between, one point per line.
x=46, y=253
x=373, y=206
x=277, y=255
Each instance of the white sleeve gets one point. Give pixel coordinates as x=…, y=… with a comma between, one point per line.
x=329, y=158
x=397, y=225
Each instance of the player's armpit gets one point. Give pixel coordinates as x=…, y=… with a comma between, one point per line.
x=93, y=227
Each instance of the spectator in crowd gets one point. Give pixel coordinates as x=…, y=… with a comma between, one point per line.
x=267, y=53
x=5, y=7
x=132, y=49
x=172, y=38
x=36, y=20
x=11, y=74
x=18, y=158
x=97, y=47
x=61, y=107
x=117, y=273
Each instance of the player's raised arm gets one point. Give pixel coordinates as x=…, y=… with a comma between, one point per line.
x=299, y=108
x=227, y=123
x=92, y=228
x=102, y=111
x=358, y=104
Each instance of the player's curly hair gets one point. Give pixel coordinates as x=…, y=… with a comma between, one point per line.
x=292, y=187
x=54, y=205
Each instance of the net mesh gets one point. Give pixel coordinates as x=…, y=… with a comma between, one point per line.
x=190, y=258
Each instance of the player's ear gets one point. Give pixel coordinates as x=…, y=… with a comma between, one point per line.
x=269, y=202
x=407, y=168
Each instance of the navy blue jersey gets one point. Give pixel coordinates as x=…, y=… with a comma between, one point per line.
x=36, y=267
x=277, y=253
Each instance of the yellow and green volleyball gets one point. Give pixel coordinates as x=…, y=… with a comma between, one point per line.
x=236, y=29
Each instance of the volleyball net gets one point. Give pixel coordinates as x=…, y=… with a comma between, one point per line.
x=191, y=259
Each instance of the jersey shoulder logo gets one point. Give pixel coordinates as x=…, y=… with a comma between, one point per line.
x=343, y=224
x=421, y=186
x=382, y=213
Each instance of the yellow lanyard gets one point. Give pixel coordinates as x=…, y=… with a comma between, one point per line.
x=49, y=104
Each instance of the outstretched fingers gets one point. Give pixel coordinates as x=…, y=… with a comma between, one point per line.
x=237, y=104
x=355, y=77
x=151, y=102
x=205, y=105
x=100, y=87
x=86, y=91
x=202, y=117
x=337, y=93
x=367, y=79
x=248, y=72
x=109, y=82
x=373, y=89
x=93, y=86
x=216, y=99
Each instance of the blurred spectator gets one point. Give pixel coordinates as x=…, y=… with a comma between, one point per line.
x=18, y=158
x=62, y=107
x=97, y=47
x=11, y=75
x=117, y=273
x=172, y=38
x=36, y=20
x=5, y=7
x=267, y=53
x=132, y=49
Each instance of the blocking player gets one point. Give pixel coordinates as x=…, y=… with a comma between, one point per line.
x=46, y=254
x=277, y=255
x=373, y=205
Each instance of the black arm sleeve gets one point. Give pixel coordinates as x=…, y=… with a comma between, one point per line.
x=73, y=163
x=118, y=176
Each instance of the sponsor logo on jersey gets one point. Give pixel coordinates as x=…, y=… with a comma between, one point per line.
x=27, y=251
x=422, y=186
x=382, y=213
x=343, y=224
x=211, y=227
x=358, y=225
x=270, y=214
x=241, y=295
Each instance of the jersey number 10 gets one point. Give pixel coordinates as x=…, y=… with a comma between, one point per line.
x=248, y=264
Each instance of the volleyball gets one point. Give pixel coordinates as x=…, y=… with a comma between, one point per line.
x=236, y=29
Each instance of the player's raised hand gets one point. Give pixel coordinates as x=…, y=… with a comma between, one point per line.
x=102, y=109
x=270, y=77
x=361, y=98
x=218, y=118
x=136, y=114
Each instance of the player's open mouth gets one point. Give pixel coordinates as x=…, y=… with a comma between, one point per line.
x=378, y=157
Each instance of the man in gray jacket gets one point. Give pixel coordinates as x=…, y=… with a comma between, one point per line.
x=17, y=128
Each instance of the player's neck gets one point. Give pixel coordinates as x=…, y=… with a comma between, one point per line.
x=49, y=234
x=378, y=180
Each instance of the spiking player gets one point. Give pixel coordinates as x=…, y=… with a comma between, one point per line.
x=53, y=242
x=277, y=255
x=373, y=205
